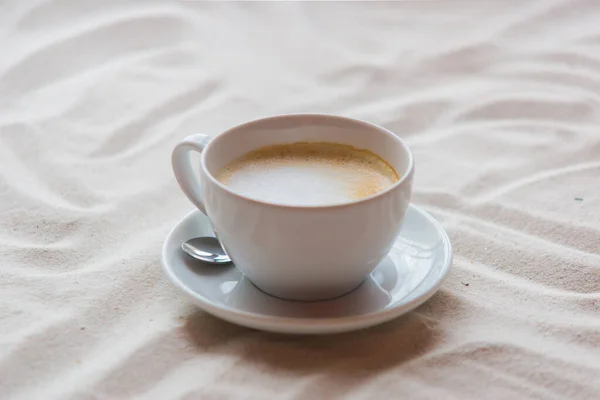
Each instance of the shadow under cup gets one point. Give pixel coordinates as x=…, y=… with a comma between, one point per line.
x=306, y=252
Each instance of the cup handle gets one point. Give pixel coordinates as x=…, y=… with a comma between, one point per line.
x=182, y=167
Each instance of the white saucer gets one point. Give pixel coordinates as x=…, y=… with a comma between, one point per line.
x=409, y=276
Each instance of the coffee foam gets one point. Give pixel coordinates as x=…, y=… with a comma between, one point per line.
x=308, y=174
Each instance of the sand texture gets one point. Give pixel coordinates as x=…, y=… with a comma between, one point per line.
x=499, y=100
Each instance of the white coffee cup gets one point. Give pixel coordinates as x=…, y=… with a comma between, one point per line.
x=298, y=252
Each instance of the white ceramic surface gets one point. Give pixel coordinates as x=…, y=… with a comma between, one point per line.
x=299, y=252
x=411, y=273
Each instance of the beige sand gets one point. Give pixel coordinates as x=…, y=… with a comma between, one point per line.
x=499, y=100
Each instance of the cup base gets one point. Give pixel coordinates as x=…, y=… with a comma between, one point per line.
x=309, y=295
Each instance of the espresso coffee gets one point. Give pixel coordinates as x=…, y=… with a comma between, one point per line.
x=308, y=174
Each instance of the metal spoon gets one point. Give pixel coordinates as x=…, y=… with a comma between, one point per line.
x=207, y=249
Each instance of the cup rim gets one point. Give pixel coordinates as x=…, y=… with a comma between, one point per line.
x=405, y=176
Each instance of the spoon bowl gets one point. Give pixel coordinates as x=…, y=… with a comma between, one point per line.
x=206, y=249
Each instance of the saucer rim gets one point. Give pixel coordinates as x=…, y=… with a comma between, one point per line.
x=308, y=325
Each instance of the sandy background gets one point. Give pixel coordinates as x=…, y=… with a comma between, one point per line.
x=498, y=99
